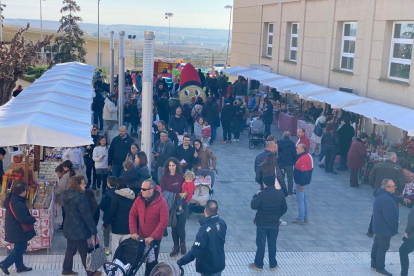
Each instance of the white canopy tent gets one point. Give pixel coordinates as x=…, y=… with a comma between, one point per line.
x=259, y=75
x=338, y=99
x=55, y=111
x=234, y=70
x=306, y=90
x=398, y=116
x=283, y=83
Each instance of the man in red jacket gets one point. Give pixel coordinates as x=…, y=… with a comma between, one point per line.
x=148, y=218
x=302, y=139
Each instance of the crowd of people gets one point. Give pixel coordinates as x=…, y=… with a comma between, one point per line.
x=142, y=199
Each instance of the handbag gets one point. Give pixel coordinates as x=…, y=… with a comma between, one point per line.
x=318, y=130
x=26, y=227
x=96, y=256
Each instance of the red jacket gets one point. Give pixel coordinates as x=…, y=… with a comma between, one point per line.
x=189, y=188
x=357, y=154
x=304, y=140
x=302, y=173
x=149, y=221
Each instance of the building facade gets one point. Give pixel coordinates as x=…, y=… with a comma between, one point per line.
x=365, y=45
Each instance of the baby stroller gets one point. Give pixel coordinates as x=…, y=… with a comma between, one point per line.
x=204, y=183
x=256, y=133
x=128, y=258
x=167, y=269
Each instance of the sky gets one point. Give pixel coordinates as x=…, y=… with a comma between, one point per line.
x=187, y=13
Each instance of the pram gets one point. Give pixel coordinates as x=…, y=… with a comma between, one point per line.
x=256, y=132
x=130, y=254
x=167, y=269
x=204, y=190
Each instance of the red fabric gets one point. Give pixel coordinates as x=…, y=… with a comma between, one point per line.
x=304, y=140
x=152, y=220
x=304, y=163
x=188, y=187
x=206, y=132
x=357, y=154
x=189, y=73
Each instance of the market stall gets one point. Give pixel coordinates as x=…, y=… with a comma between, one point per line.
x=233, y=71
x=54, y=111
x=287, y=122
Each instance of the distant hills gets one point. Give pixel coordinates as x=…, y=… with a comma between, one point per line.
x=179, y=36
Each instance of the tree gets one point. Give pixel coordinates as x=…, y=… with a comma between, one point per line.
x=15, y=56
x=69, y=38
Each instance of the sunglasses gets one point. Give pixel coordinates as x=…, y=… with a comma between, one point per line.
x=143, y=189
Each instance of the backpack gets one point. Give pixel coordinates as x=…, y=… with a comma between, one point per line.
x=257, y=126
x=318, y=130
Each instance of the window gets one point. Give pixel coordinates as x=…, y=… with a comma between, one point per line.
x=269, y=40
x=294, y=41
x=348, y=46
x=401, y=50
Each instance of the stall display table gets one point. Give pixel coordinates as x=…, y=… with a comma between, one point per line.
x=308, y=130
x=288, y=122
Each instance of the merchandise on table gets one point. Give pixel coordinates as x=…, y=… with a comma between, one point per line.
x=47, y=172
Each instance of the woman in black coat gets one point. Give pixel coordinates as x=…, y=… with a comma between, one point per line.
x=330, y=142
x=79, y=224
x=138, y=174
x=267, y=116
x=15, y=203
x=346, y=133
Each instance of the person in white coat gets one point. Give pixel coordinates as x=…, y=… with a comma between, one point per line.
x=110, y=112
x=315, y=138
x=75, y=155
x=100, y=156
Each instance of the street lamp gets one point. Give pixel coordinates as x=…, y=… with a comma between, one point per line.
x=41, y=28
x=1, y=20
x=132, y=38
x=168, y=16
x=99, y=52
x=228, y=39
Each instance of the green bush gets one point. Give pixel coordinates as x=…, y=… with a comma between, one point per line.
x=36, y=71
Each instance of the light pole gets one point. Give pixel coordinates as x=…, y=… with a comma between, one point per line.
x=228, y=39
x=168, y=16
x=132, y=38
x=41, y=28
x=1, y=20
x=111, y=68
x=121, y=78
x=147, y=83
x=99, y=44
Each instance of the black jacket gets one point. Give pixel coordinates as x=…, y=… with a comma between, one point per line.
x=106, y=202
x=208, y=248
x=98, y=103
x=267, y=115
x=227, y=115
x=173, y=104
x=287, y=152
x=330, y=140
x=385, y=214
x=13, y=228
x=270, y=205
x=119, y=149
x=1, y=167
x=136, y=176
x=202, y=78
x=210, y=112
x=410, y=225
x=79, y=224
x=162, y=104
x=87, y=155
x=118, y=215
x=178, y=124
x=165, y=151
x=188, y=155
x=346, y=133
x=239, y=89
x=260, y=158
x=171, y=135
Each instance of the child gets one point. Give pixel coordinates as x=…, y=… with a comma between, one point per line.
x=105, y=205
x=206, y=133
x=187, y=191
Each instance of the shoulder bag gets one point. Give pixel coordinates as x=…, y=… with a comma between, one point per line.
x=26, y=227
x=96, y=256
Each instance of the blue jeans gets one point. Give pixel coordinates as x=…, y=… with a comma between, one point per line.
x=116, y=171
x=267, y=130
x=98, y=116
x=321, y=153
x=263, y=232
x=344, y=161
x=16, y=256
x=302, y=198
x=213, y=133
x=134, y=128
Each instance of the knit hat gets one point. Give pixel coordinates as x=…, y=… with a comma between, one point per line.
x=189, y=76
x=269, y=180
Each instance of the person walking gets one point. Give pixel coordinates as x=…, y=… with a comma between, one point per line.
x=267, y=116
x=346, y=133
x=357, y=156
x=385, y=224
x=302, y=175
x=408, y=245
x=317, y=134
x=330, y=143
x=270, y=204
x=210, y=112
x=208, y=247
x=79, y=226
x=88, y=157
x=287, y=159
x=239, y=121
x=100, y=156
x=163, y=150
x=110, y=112
x=227, y=115
x=148, y=218
x=388, y=169
x=172, y=181
x=187, y=155
x=118, y=151
x=117, y=216
x=105, y=205
x=302, y=138
x=178, y=123
x=19, y=227
x=63, y=185
x=98, y=104
x=162, y=104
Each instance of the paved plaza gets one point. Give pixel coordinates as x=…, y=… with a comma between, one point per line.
x=334, y=242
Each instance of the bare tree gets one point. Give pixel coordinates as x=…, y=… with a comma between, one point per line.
x=15, y=56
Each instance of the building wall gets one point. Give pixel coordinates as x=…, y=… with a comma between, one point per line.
x=319, y=44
